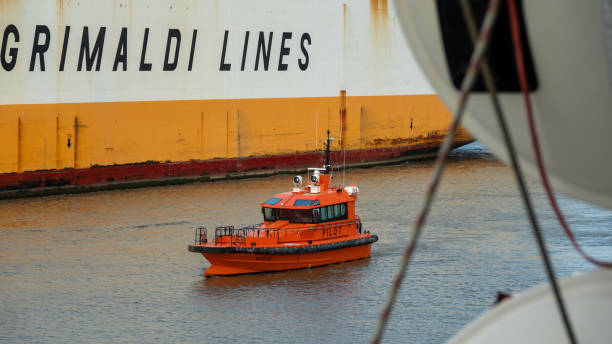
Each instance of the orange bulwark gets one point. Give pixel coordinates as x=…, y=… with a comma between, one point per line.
x=307, y=227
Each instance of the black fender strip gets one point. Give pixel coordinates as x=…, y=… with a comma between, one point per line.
x=284, y=250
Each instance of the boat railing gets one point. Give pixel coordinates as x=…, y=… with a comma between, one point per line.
x=237, y=236
x=327, y=225
x=201, y=236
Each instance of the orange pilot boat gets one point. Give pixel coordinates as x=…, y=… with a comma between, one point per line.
x=310, y=226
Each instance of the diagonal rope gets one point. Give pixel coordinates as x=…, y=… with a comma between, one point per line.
x=466, y=86
x=518, y=56
x=488, y=79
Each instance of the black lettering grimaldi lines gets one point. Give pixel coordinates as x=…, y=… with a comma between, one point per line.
x=93, y=55
x=264, y=51
x=261, y=47
x=284, y=51
x=173, y=35
x=192, y=51
x=64, y=48
x=82, y=49
x=244, y=50
x=304, y=64
x=144, y=66
x=121, y=55
x=38, y=48
x=9, y=64
x=224, y=66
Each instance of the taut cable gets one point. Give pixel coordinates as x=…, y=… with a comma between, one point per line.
x=466, y=85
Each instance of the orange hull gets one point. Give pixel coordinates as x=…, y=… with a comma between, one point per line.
x=245, y=263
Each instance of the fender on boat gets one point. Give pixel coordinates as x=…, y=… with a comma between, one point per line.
x=285, y=250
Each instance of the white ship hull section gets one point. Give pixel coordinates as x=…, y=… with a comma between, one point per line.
x=328, y=46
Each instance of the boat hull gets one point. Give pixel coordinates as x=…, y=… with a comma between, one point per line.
x=224, y=264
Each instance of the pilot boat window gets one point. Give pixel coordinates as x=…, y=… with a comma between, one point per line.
x=330, y=213
x=337, y=211
x=269, y=214
x=291, y=215
x=302, y=203
x=295, y=215
x=323, y=214
x=272, y=201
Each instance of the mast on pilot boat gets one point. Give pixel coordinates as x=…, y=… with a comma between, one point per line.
x=327, y=165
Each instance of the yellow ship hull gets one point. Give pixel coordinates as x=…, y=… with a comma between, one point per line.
x=96, y=144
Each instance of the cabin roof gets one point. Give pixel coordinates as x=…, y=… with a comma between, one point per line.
x=287, y=200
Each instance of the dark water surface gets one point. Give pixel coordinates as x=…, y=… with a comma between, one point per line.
x=113, y=267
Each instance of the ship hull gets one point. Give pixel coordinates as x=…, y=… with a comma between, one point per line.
x=57, y=148
x=109, y=94
x=49, y=182
x=223, y=264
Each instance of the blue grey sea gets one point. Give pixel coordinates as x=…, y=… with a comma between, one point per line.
x=113, y=267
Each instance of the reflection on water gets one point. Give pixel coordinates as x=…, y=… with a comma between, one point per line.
x=113, y=266
x=217, y=286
